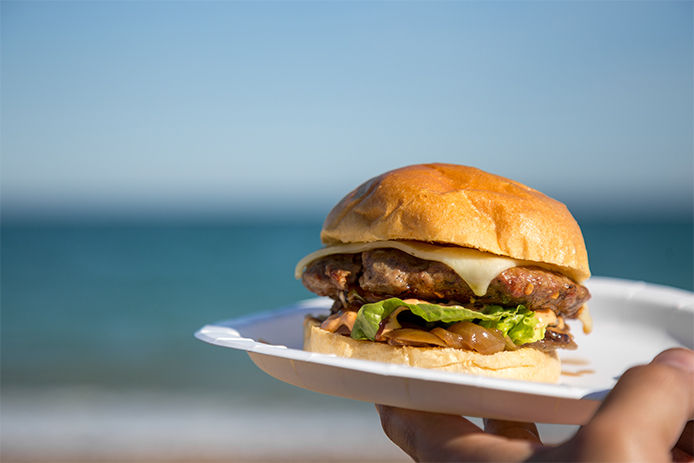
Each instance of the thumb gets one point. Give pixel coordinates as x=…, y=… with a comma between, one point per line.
x=644, y=415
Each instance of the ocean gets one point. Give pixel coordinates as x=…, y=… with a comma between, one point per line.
x=98, y=351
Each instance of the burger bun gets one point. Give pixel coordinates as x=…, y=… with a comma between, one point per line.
x=527, y=363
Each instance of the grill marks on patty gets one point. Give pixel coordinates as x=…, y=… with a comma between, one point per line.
x=390, y=271
x=380, y=273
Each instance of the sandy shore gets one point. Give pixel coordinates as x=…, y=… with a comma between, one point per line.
x=95, y=426
x=83, y=426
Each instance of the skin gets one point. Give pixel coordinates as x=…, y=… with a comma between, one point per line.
x=647, y=417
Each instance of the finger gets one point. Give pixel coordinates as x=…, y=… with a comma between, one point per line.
x=513, y=430
x=686, y=441
x=422, y=435
x=438, y=437
x=644, y=415
x=680, y=456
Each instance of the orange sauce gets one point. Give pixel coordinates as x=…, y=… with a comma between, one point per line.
x=577, y=362
x=578, y=373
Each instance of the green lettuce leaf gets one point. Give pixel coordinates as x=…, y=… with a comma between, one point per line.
x=519, y=323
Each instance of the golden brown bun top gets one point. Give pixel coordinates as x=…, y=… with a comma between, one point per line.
x=464, y=206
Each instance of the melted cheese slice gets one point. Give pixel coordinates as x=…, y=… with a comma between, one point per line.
x=477, y=268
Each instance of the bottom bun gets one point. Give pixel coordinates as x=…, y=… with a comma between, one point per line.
x=527, y=363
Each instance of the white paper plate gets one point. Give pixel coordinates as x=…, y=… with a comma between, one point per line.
x=634, y=321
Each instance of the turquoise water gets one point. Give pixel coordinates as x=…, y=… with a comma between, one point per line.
x=115, y=305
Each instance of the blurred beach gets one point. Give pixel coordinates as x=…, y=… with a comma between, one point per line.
x=99, y=360
x=166, y=164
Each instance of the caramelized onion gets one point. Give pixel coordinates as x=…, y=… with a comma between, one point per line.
x=389, y=324
x=342, y=318
x=413, y=337
x=510, y=345
x=483, y=340
x=451, y=339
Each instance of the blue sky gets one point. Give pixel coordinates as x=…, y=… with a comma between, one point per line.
x=206, y=107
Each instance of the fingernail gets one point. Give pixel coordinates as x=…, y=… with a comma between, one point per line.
x=679, y=358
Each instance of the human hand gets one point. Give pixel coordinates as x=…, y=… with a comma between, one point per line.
x=646, y=417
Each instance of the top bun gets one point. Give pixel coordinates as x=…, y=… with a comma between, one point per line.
x=458, y=205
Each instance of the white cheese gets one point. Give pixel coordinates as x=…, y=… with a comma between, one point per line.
x=477, y=268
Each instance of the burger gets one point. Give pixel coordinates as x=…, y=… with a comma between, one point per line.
x=449, y=267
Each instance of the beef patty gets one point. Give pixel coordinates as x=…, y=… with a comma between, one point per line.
x=370, y=276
